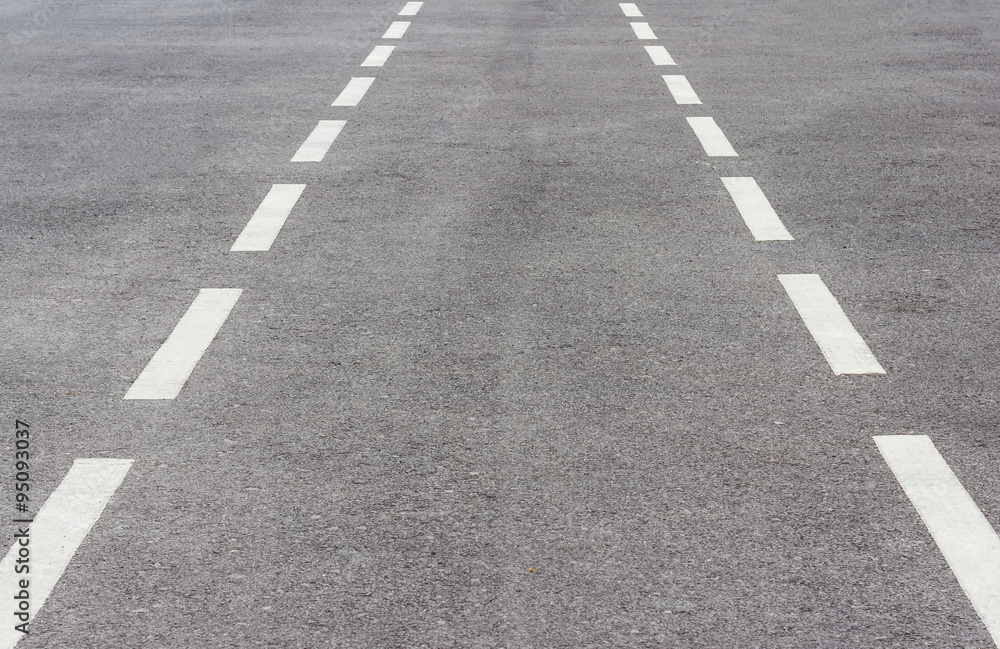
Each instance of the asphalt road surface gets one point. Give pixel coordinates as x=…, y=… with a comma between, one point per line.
x=510, y=352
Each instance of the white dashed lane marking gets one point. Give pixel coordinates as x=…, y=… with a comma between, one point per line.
x=681, y=89
x=643, y=31
x=760, y=217
x=630, y=10
x=318, y=143
x=964, y=536
x=396, y=29
x=354, y=91
x=843, y=347
x=260, y=232
x=659, y=55
x=410, y=8
x=172, y=364
x=378, y=57
x=714, y=141
x=59, y=528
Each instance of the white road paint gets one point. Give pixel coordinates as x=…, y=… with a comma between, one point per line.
x=260, y=232
x=843, y=347
x=756, y=210
x=318, y=143
x=172, y=364
x=643, y=31
x=630, y=10
x=659, y=55
x=411, y=8
x=353, y=91
x=712, y=138
x=59, y=528
x=396, y=29
x=378, y=57
x=681, y=89
x=964, y=536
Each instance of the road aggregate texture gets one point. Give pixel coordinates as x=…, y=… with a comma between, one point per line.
x=514, y=372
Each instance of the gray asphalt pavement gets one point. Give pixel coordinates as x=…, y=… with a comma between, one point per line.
x=514, y=372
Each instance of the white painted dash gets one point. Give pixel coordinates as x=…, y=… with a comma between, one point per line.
x=843, y=347
x=964, y=536
x=55, y=534
x=756, y=210
x=681, y=89
x=643, y=31
x=411, y=8
x=354, y=91
x=172, y=364
x=378, y=56
x=318, y=143
x=659, y=55
x=630, y=10
x=263, y=227
x=712, y=138
x=396, y=29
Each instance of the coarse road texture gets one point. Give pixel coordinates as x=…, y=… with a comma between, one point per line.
x=511, y=371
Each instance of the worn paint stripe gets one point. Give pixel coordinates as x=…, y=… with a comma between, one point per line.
x=840, y=342
x=756, y=210
x=966, y=539
x=319, y=141
x=354, y=91
x=172, y=364
x=55, y=534
x=712, y=139
x=263, y=227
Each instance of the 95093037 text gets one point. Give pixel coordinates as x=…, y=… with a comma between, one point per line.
x=22, y=537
